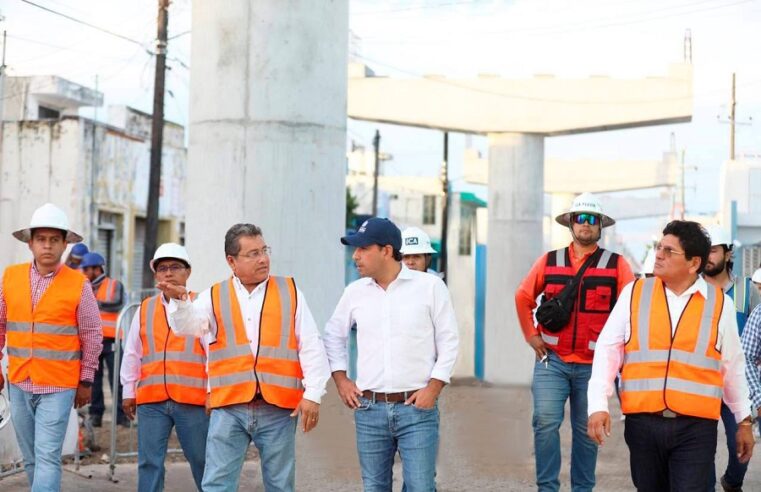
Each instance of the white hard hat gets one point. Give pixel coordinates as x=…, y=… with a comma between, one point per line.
x=756, y=278
x=48, y=216
x=719, y=235
x=170, y=250
x=416, y=242
x=586, y=202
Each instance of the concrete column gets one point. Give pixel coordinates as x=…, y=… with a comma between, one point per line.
x=516, y=191
x=267, y=138
x=559, y=235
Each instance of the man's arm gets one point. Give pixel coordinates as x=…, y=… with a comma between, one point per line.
x=3, y=320
x=337, y=334
x=525, y=297
x=131, y=360
x=90, y=333
x=312, y=356
x=188, y=318
x=446, y=334
x=751, y=345
x=736, y=395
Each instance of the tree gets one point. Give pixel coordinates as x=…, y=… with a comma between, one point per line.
x=351, y=208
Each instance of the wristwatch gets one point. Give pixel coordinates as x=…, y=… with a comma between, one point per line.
x=86, y=384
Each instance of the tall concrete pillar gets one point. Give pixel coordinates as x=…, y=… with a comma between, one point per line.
x=516, y=191
x=268, y=136
x=560, y=237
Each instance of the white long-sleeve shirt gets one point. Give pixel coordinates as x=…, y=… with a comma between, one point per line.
x=406, y=334
x=609, y=351
x=131, y=363
x=195, y=319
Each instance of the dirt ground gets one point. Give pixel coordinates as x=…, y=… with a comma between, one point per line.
x=486, y=445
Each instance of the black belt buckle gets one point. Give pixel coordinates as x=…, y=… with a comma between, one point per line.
x=669, y=414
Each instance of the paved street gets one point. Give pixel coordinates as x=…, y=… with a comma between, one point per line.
x=485, y=445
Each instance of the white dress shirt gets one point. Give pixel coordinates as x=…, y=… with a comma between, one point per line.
x=406, y=334
x=609, y=352
x=196, y=318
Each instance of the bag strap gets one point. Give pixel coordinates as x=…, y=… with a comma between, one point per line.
x=573, y=285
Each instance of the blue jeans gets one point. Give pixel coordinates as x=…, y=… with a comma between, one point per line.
x=232, y=429
x=735, y=473
x=382, y=428
x=40, y=422
x=552, y=386
x=155, y=422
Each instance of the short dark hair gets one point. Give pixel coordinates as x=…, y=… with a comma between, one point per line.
x=232, y=245
x=397, y=254
x=693, y=238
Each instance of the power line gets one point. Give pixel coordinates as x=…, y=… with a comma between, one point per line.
x=414, y=7
x=85, y=23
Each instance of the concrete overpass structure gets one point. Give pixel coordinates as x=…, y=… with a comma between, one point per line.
x=517, y=115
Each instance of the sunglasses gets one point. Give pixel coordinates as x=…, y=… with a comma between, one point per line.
x=588, y=218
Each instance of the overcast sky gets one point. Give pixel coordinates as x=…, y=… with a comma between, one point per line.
x=408, y=38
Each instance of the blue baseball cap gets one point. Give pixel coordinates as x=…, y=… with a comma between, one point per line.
x=375, y=231
x=92, y=260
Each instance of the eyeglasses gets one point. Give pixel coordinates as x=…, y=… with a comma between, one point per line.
x=170, y=268
x=256, y=254
x=588, y=218
x=667, y=250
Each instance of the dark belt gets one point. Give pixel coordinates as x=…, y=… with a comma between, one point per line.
x=387, y=397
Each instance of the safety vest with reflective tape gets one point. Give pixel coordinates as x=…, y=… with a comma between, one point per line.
x=682, y=372
x=107, y=293
x=171, y=367
x=595, y=299
x=43, y=342
x=236, y=375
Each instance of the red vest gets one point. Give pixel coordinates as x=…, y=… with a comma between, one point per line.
x=596, y=297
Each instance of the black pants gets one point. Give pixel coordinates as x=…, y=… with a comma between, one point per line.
x=670, y=454
x=97, y=406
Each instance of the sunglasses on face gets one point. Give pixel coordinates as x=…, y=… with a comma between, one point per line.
x=588, y=218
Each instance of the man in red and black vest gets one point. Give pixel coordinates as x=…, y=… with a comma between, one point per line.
x=564, y=354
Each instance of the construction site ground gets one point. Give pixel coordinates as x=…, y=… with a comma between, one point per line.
x=486, y=445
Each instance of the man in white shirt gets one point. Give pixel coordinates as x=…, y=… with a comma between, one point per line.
x=266, y=363
x=675, y=339
x=407, y=345
x=164, y=379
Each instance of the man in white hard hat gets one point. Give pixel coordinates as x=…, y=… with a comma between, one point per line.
x=266, y=363
x=718, y=272
x=564, y=353
x=164, y=379
x=50, y=321
x=417, y=252
x=756, y=278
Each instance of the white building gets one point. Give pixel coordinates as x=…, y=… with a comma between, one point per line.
x=741, y=184
x=97, y=172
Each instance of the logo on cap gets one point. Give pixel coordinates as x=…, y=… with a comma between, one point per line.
x=362, y=228
x=410, y=241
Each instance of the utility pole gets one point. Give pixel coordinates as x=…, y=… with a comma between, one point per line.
x=93, y=179
x=683, y=207
x=376, y=147
x=445, y=207
x=157, y=137
x=732, y=104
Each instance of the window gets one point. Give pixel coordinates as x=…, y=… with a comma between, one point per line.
x=44, y=113
x=466, y=230
x=429, y=209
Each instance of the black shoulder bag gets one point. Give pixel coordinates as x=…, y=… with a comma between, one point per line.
x=555, y=313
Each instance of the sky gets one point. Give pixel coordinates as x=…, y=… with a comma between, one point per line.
x=410, y=38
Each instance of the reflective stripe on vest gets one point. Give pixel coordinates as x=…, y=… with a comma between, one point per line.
x=681, y=372
x=741, y=295
x=234, y=373
x=175, y=369
x=43, y=341
x=107, y=293
x=549, y=339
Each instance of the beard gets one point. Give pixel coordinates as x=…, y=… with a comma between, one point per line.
x=714, y=270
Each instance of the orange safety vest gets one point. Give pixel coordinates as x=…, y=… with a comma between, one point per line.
x=236, y=375
x=43, y=342
x=682, y=372
x=172, y=367
x=107, y=293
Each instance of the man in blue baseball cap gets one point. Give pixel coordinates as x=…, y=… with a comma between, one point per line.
x=406, y=345
x=75, y=255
